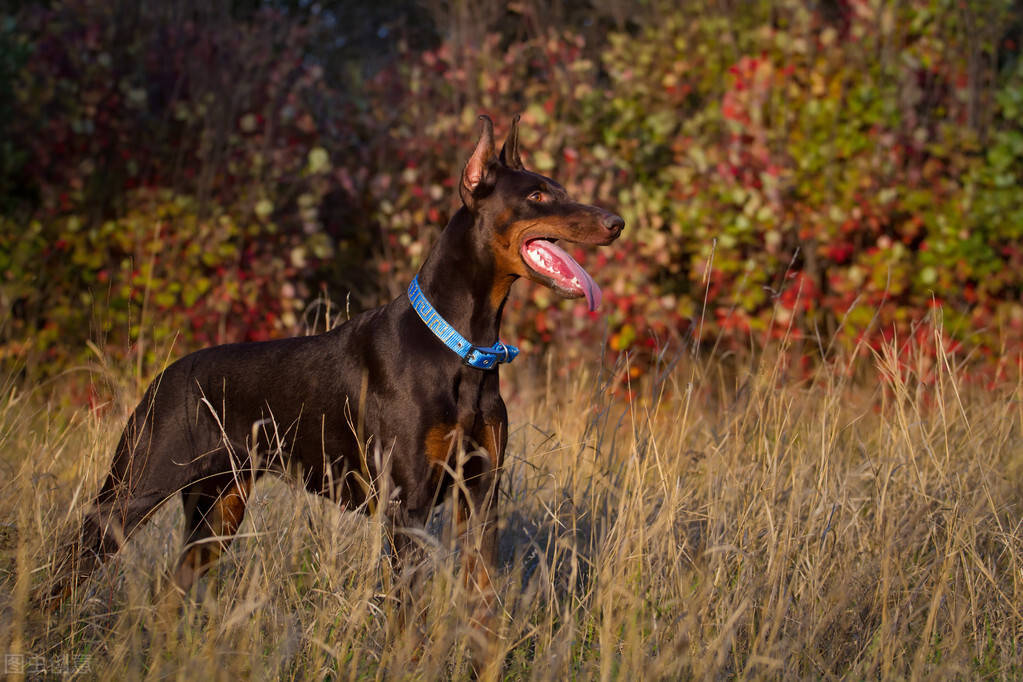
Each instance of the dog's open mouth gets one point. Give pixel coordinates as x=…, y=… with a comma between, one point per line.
x=565, y=276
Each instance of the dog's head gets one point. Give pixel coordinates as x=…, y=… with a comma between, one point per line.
x=523, y=214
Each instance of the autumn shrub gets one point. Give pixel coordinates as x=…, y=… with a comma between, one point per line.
x=179, y=176
x=782, y=173
x=823, y=174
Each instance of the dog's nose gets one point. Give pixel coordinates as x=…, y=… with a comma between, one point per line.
x=613, y=223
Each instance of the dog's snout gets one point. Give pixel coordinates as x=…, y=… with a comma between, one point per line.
x=613, y=223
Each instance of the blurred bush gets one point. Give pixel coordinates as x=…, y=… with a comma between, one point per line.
x=177, y=165
x=827, y=172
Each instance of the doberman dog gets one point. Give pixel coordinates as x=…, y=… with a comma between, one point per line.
x=395, y=393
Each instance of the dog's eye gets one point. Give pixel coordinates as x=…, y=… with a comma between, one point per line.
x=536, y=196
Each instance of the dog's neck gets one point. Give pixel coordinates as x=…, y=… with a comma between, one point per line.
x=458, y=278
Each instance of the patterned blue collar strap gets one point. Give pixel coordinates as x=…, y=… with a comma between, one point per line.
x=480, y=357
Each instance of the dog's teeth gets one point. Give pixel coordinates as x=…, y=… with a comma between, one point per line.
x=539, y=257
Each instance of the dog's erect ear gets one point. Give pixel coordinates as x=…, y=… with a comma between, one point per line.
x=510, y=150
x=476, y=168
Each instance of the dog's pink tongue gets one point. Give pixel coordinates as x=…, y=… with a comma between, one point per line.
x=551, y=260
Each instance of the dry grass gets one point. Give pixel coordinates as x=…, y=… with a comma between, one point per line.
x=727, y=523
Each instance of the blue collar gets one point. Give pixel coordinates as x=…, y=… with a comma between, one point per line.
x=473, y=356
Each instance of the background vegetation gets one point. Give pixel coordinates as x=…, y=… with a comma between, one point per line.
x=831, y=170
x=789, y=444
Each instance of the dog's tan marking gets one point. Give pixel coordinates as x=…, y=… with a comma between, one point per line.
x=506, y=245
x=490, y=438
x=223, y=522
x=440, y=442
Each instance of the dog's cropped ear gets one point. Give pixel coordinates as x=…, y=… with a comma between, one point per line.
x=510, y=150
x=476, y=168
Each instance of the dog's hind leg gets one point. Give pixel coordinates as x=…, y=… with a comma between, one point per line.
x=103, y=531
x=214, y=509
x=142, y=475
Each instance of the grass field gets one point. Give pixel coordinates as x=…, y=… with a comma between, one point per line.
x=733, y=520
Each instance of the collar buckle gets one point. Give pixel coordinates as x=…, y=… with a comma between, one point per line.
x=478, y=360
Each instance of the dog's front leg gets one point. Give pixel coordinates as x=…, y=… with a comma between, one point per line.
x=477, y=525
x=403, y=584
